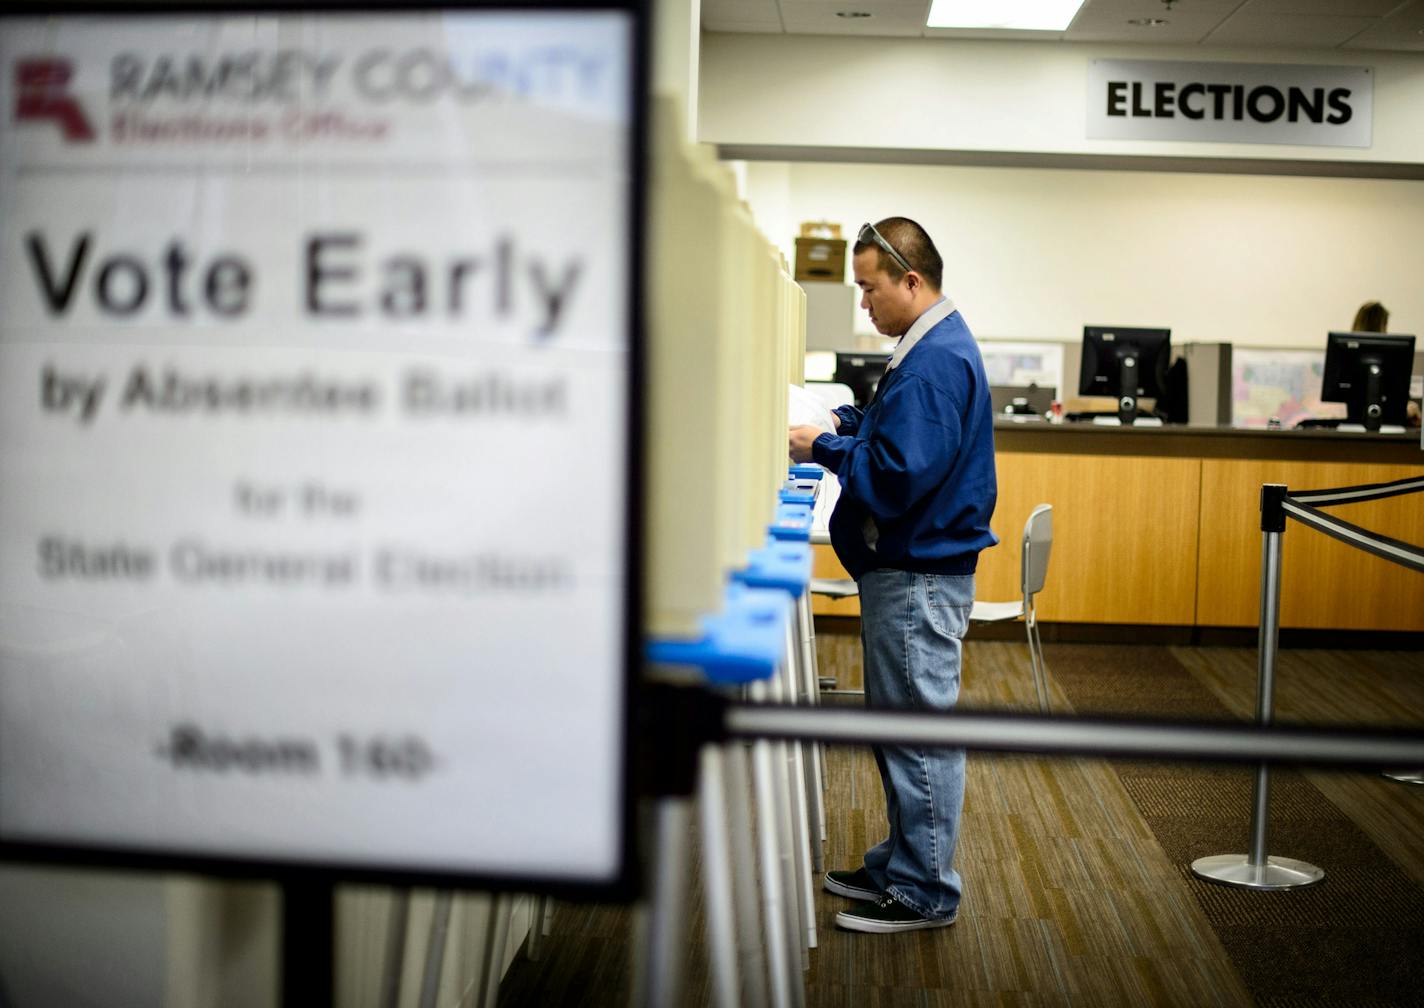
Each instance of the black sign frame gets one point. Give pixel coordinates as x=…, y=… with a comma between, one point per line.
x=625, y=883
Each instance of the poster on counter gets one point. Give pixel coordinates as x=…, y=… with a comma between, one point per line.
x=317, y=352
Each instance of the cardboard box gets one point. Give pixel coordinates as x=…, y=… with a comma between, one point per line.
x=821, y=259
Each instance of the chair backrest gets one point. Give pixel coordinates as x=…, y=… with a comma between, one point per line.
x=1037, y=544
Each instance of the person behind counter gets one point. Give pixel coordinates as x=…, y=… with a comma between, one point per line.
x=918, y=488
x=1374, y=317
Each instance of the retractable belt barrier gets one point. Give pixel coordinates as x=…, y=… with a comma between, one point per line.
x=1256, y=869
x=1304, y=506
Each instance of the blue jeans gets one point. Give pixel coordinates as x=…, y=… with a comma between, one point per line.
x=911, y=631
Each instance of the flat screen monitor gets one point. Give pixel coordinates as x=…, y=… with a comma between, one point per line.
x=1369, y=373
x=862, y=372
x=1125, y=363
x=1021, y=400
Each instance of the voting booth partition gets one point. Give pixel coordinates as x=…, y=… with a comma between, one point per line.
x=727, y=564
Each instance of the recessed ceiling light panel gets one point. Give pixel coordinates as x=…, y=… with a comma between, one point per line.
x=1015, y=15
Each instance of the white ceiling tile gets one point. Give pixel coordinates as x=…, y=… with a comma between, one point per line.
x=744, y=27
x=1337, y=8
x=1175, y=33
x=1314, y=24
x=1110, y=23
x=1304, y=32
x=821, y=18
x=740, y=10
x=1404, y=31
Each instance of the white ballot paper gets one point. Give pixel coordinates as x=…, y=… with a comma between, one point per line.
x=807, y=410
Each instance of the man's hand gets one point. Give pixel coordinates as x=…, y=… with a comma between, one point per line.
x=800, y=439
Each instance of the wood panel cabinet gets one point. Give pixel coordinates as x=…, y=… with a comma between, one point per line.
x=1124, y=536
x=1163, y=527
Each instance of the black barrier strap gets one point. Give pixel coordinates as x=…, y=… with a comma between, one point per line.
x=1365, y=492
x=1222, y=741
x=1402, y=553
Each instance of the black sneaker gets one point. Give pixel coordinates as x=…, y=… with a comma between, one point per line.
x=888, y=915
x=852, y=884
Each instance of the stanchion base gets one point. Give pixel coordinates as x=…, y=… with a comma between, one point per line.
x=1406, y=776
x=1276, y=873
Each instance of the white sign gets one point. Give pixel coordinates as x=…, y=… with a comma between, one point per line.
x=314, y=438
x=1272, y=103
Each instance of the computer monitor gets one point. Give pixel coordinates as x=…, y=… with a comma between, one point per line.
x=820, y=365
x=1125, y=363
x=862, y=372
x=1021, y=400
x=1369, y=373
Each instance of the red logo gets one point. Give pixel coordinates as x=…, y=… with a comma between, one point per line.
x=43, y=86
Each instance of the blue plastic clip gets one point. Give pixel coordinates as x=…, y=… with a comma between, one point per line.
x=781, y=564
x=793, y=522
x=744, y=643
x=806, y=470
x=801, y=491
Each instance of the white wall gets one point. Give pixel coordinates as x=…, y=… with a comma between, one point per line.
x=1037, y=253
x=968, y=95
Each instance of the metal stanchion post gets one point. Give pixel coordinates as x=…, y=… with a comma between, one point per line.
x=778, y=901
x=435, y=950
x=1257, y=870
x=678, y=721
x=717, y=879
x=802, y=825
x=665, y=936
x=753, y=961
x=814, y=755
x=534, y=947
x=397, y=923
x=492, y=955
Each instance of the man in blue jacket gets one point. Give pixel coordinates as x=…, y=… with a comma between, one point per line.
x=916, y=469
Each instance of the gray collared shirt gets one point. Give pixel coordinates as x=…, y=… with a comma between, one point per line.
x=933, y=316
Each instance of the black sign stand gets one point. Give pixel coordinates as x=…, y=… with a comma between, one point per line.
x=308, y=943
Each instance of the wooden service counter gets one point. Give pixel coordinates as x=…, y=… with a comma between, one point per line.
x=1161, y=525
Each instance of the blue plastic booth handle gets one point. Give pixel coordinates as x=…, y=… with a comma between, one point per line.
x=793, y=522
x=744, y=643
x=782, y=564
x=801, y=491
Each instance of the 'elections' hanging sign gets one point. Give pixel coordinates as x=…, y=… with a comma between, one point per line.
x=1269, y=103
x=316, y=415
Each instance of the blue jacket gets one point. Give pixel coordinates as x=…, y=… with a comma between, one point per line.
x=918, y=463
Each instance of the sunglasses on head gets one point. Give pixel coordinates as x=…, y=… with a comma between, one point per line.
x=869, y=234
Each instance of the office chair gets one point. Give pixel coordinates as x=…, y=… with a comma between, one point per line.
x=1033, y=567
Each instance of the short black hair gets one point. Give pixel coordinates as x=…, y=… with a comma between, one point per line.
x=911, y=241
